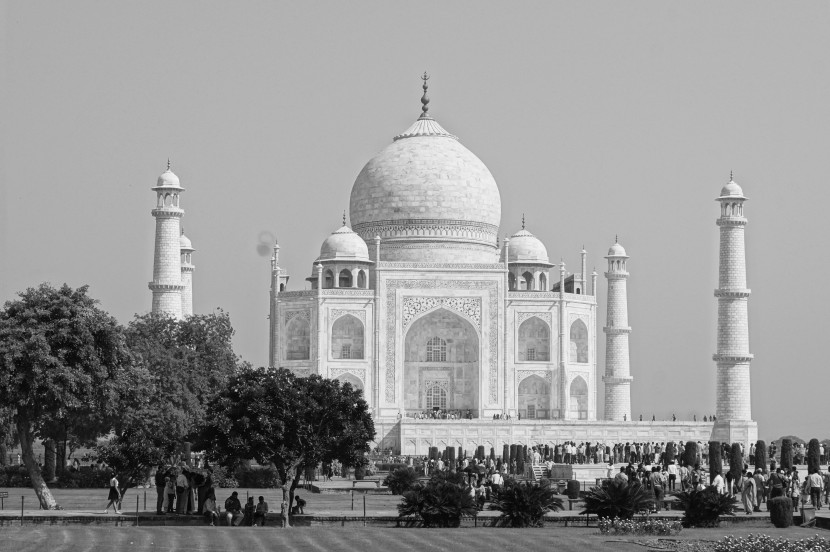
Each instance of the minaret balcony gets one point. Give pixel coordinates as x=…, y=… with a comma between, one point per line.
x=617, y=379
x=616, y=275
x=718, y=357
x=733, y=293
x=167, y=212
x=617, y=330
x=731, y=221
x=160, y=286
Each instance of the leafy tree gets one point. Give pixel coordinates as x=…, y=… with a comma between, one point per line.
x=736, y=461
x=690, y=454
x=617, y=499
x=524, y=504
x=186, y=363
x=761, y=455
x=60, y=355
x=786, y=453
x=276, y=418
x=715, y=459
x=813, y=456
x=704, y=508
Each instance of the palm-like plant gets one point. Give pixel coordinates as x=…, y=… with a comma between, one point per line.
x=439, y=503
x=617, y=499
x=401, y=480
x=704, y=508
x=525, y=504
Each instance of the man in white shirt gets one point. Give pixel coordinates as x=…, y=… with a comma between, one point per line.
x=719, y=483
x=672, y=471
x=816, y=483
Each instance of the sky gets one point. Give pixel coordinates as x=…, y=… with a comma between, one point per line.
x=596, y=119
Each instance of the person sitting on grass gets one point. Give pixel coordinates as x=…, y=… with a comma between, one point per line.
x=233, y=509
x=300, y=505
x=210, y=510
x=261, y=512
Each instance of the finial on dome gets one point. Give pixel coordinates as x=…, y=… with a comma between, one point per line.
x=425, y=98
x=182, y=230
x=730, y=176
x=344, y=217
x=523, y=221
x=616, y=238
x=168, y=163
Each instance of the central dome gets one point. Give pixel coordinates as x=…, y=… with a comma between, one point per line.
x=429, y=198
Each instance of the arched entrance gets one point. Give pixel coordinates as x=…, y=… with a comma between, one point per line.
x=534, y=398
x=351, y=379
x=579, y=399
x=441, y=364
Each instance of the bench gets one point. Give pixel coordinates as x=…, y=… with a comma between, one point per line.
x=375, y=482
x=571, y=502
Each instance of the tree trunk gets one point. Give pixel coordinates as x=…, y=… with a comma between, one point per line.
x=49, y=460
x=4, y=454
x=44, y=495
x=60, y=451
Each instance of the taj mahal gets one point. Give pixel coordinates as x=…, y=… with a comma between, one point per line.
x=416, y=301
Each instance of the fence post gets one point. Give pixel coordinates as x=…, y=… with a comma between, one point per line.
x=145, y=500
x=352, y=493
x=21, y=509
x=136, y=509
x=364, y=509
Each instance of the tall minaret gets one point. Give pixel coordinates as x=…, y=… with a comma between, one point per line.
x=167, y=267
x=186, y=248
x=617, y=377
x=733, y=409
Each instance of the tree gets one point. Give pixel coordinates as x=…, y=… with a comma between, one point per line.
x=524, y=504
x=736, y=462
x=60, y=355
x=715, y=460
x=761, y=455
x=441, y=502
x=276, y=418
x=617, y=499
x=690, y=454
x=185, y=365
x=786, y=453
x=813, y=456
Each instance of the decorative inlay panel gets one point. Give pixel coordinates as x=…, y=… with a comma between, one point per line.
x=460, y=266
x=442, y=383
x=574, y=316
x=522, y=316
x=359, y=373
x=521, y=375
x=290, y=315
x=359, y=314
x=468, y=306
x=493, y=342
x=301, y=372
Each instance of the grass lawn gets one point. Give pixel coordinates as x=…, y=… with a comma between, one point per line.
x=222, y=539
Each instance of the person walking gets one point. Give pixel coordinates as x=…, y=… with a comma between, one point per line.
x=159, y=480
x=816, y=483
x=182, y=492
x=114, y=496
x=749, y=493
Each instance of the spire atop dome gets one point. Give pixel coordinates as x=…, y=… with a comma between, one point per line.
x=425, y=98
x=344, y=217
x=168, y=163
x=523, y=221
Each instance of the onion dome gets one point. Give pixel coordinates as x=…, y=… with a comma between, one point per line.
x=344, y=245
x=525, y=248
x=732, y=190
x=184, y=243
x=617, y=251
x=428, y=197
x=168, y=179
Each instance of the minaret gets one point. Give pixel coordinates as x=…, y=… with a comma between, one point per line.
x=186, y=248
x=167, y=270
x=278, y=281
x=733, y=408
x=617, y=377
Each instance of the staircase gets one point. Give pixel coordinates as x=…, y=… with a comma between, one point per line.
x=539, y=472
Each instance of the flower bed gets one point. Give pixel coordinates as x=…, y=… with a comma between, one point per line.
x=619, y=526
x=766, y=543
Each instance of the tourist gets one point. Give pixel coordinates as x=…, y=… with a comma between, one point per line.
x=657, y=489
x=233, y=510
x=203, y=488
x=160, y=479
x=795, y=487
x=182, y=491
x=248, y=512
x=815, y=482
x=621, y=477
x=114, y=496
x=261, y=512
x=760, y=488
x=209, y=508
x=496, y=481
x=749, y=493
x=300, y=505
x=169, y=493
x=776, y=484
x=719, y=483
x=672, y=471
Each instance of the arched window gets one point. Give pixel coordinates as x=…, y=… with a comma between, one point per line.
x=543, y=282
x=436, y=350
x=298, y=342
x=436, y=397
x=282, y=287
x=534, y=340
x=347, y=337
x=361, y=279
x=579, y=341
x=579, y=398
x=345, y=279
x=527, y=281
x=329, y=279
x=511, y=281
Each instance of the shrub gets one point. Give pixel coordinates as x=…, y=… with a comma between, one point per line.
x=813, y=456
x=704, y=508
x=525, y=504
x=715, y=459
x=781, y=511
x=736, y=461
x=690, y=454
x=573, y=489
x=671, y=452
x=85, y=478
x=223, y=479
x=617, y=499
x=761, y=455
x=439, y=503
x=401, y=480
x=617, y=526
x=786, y=453
x=263, y=477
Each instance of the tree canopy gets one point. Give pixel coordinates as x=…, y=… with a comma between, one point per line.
x=61, y=358
x=274, y=417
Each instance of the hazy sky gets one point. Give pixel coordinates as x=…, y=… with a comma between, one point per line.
x=596, y=119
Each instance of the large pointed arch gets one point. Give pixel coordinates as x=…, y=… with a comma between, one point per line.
x=578, y=395
x=534, y=397
x=579, y=341
x=347, y=338
x=298, y=339
x=534, y=340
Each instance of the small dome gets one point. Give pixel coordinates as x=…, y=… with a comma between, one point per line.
x=168, y=179
x=526, y=248
x=617, y=251
x=184, y=243
x=345, y=245
x=731, y=190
